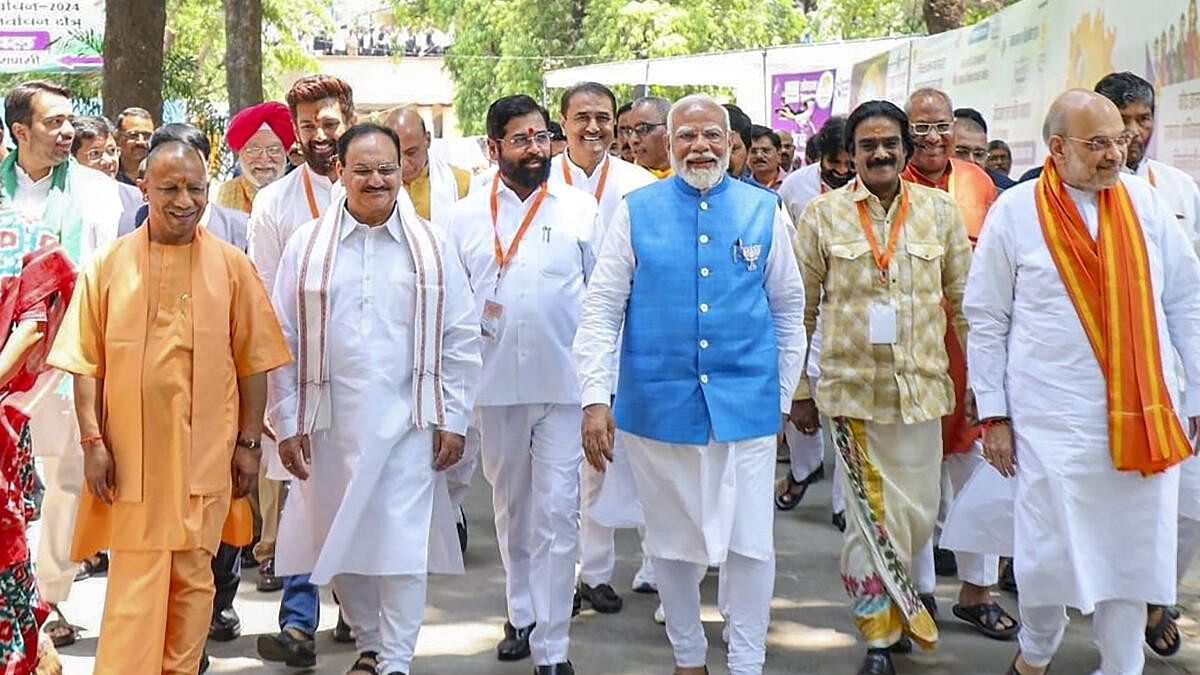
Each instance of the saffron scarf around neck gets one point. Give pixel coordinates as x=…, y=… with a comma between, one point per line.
x=60, y=213
x=1108, y=281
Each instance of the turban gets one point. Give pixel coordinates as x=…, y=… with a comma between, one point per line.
x=270, y=115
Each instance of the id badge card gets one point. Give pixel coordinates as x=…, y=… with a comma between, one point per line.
x=881, y=323
x=489, y=323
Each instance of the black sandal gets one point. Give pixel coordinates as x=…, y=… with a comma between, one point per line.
x=986, y=619
x=95, y=566
x=367, y=662
x=1159, y=632
x=67, y=633
x=787, y=500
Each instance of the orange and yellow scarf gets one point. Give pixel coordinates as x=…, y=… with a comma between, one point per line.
x=1108, y=281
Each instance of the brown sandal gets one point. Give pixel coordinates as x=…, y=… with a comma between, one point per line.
x=60, y=631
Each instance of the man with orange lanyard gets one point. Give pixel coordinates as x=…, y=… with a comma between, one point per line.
x=1078, y=388
x=1134, y=98
x=260, y=135
x=880, y=258
x=931, y=115
x=586, y=112
x=322, y=108
x=528, y=246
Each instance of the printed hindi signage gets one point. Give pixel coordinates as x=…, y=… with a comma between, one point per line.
x=1011, y=65
x=801, y=103
x=47, y=36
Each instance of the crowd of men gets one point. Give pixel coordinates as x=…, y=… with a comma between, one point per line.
x=303, y=372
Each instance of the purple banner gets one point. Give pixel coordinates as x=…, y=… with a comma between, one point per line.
x=24, y=41
x=801, y=103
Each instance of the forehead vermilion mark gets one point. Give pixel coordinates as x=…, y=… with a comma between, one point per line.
x=878, y=130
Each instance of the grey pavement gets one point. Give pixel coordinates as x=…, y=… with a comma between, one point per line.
x=810, y=633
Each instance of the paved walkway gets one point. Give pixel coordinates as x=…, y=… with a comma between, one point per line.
x=811, y=632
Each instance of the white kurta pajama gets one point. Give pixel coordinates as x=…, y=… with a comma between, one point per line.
x=597, y=551
x=1086, y=535
x=373, y=517
x=704, y=504
x=528, y=400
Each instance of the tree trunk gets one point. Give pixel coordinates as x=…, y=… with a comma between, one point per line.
x=943, y=15
x=243, y=53
x=133, y=56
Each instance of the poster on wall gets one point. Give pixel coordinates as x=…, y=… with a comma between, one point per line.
x=801, y=103
x=1012, y=65
x=51, y=36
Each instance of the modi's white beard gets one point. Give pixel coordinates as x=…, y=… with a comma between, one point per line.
x=701, y=179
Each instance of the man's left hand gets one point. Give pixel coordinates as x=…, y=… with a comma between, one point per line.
x=447, y=449
x=245, y=470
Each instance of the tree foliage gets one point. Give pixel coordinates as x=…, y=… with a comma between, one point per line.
x=503, y=46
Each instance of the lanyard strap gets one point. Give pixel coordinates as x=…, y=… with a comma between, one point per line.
x=599, y=186
x=308, y=192
x=884, y=258
x=503, y=258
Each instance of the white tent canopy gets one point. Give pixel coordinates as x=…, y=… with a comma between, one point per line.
x=747, y=72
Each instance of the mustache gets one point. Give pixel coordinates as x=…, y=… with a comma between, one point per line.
x=875, y=163
x=700, y=157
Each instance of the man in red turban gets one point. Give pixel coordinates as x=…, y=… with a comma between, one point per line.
x=260, y=135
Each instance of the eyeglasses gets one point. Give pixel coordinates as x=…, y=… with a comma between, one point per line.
x=644, y=128
x=384, y=170
x=523, y=141
x=926, y=128
x=763, y=152
x=97, y=154
x=963, y=152
x=624, y=131
x=713, y=135
x=255, y=152
x=1103, y=143
x=143, y=136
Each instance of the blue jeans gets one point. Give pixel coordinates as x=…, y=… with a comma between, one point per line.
x=301, y=605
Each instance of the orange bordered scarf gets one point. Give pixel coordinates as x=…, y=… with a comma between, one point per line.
x=1108, y=281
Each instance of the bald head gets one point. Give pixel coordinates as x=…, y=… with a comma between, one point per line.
x=414, y=142
x=929, y=94
x=1086, y=138
x=176, y=191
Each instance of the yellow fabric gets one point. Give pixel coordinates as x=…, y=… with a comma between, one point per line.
x=237, y=194
x=158, y=606
x=660, y=173
x=419, y=189
x=907, y=381
x=1108, y=281
x=142, y=316
x=892, y=495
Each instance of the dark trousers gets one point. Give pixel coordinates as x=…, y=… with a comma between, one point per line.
x=227, y=573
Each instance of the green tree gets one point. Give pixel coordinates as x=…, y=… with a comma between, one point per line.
x=504, y=46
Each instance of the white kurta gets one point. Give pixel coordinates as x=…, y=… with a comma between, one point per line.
x=1085, y=532
x=373, y=504
x=604, y=312
x=800, y=187
x=622, y=179
x=96, y=196
x=541, y=289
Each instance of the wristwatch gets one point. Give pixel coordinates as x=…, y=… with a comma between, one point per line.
x=249, y=443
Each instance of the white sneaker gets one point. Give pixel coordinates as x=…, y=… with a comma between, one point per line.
x=660, y=617
x=643, y=581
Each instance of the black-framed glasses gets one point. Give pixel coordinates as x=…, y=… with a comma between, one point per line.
x=644, y=128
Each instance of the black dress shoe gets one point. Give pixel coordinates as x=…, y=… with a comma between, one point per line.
x=878, y=662
x=515, y=645
x=601, y=597
x=930, y=602
x=564, y=668
x=839, y=521
x=342, y=632
x=204, y=664
x=576, y=603
x=267, y=581
x=283, y=647
x=225, y=626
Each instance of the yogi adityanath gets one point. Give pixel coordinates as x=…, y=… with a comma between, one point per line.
x=1082, y=290
x=170, y=336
